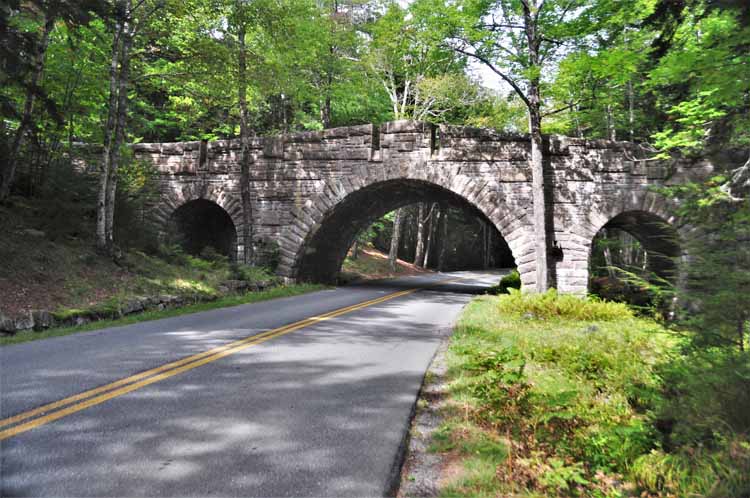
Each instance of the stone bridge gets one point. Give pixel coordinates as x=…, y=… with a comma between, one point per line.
x=313, y=192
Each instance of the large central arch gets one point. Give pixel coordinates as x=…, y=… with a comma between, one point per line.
x=329, y=228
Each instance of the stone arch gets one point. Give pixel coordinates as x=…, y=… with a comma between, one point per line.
x=651, y=219
x=221, y=194
x=487, y=197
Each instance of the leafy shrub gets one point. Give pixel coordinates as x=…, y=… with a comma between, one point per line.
x=707, y=395
x=510, y=281
x=209, y=253
x=562, y=306
x=717, y=472
x=251, y=273
x=173, y=253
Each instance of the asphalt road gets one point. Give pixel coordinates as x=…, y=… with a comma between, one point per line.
x=317, y=411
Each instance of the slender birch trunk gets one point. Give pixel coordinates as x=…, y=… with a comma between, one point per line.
x=247, y=218
x=611, y=131
x=608, y=253
x=109, y=132
x=539, y=202
x=120, y=129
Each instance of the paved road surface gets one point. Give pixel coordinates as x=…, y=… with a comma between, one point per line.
x=319, y=411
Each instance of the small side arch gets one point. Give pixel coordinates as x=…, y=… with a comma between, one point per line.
x=175, y=197
x=660, y=240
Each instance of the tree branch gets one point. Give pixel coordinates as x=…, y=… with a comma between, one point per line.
x=495, y=70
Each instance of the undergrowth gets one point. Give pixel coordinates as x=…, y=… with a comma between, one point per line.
x=556, y=395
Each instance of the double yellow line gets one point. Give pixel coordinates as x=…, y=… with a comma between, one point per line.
x=45, y=414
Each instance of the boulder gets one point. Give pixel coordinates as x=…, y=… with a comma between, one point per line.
x=42, y=319
x=168, y=300
x=132, y=306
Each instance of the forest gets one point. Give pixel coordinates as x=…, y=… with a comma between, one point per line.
x=672, y=75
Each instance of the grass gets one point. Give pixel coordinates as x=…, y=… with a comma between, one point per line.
x=250, y=297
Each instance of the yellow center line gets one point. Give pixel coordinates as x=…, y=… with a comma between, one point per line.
x=101, y=394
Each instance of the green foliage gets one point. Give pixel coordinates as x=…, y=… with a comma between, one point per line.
x=717, y=309
x=593, y=401
x=252, y=273
x=708, y=397
x=717, y=472
x=573, y=400
x=693, y=120
x=703, y=79
x=510, y=281
x=551, y=305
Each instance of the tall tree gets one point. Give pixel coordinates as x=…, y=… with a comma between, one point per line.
x=414, y=72
x=25, y=30
x=8, y=172
x=240, y=19
x=520, y=41
x=114, y=130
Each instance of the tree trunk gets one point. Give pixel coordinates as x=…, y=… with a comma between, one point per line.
x=120, y=128
x=395, y=239
x=534, y=104
x=109, y=132
x=539, y=202
x=248, y=255
x=443, y=229
x=430, y=229
x=611, y=131
x=355, y=249
x=11, y=162
x=325, y=112
x=608, y=253
x=631, y=110
x=419, y=249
